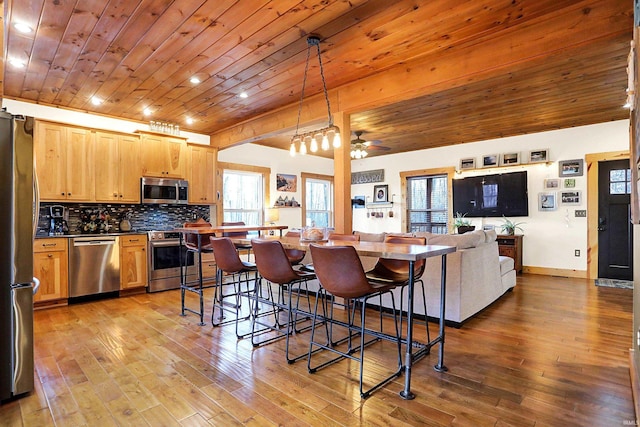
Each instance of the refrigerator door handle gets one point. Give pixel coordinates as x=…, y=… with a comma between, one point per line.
x=36, y=285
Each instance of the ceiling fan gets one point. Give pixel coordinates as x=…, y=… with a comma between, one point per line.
x=360, y=146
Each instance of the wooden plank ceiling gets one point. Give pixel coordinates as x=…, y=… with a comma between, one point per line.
x=142, y=54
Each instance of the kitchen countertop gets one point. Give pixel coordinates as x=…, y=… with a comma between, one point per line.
x=72, y=236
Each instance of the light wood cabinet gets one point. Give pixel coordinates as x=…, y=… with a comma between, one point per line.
x=51, y=267
x=117, y=167
x=64, y=162
x=133, y=261
x=202, y=176
x=163, y=156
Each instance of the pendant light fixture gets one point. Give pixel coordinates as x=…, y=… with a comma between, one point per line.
x=316, y=137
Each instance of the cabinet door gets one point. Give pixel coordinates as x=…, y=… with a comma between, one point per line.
x=202, y=177
x=50, y=161
x=130, y=169
x=80, y=178
x=107, y=167
x=51, y=268
x=133, y=267
x=176, y=152
x=153, y=156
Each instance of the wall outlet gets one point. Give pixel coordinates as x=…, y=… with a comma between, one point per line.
x=576, y=252
x=581, y=213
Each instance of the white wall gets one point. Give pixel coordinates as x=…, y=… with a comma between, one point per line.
x=87, y=120
x=279, y=161
x=550, y=237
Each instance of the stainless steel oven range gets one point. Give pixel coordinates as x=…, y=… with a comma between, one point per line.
x=164, y=261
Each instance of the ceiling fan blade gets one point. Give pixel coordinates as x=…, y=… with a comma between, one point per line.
x=378, y=147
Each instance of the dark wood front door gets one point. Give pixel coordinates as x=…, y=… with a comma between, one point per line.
x=615, y=239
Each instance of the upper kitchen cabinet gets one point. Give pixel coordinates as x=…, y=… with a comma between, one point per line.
x=64, y=162
x=163, y=156
x=202, y=177
x=118, y=167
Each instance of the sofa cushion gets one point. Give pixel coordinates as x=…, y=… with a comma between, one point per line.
x=506, y=264
x=490, y=236
x=370, y=237
x=460, y=241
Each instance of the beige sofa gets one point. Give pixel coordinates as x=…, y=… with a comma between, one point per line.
x=476, y=274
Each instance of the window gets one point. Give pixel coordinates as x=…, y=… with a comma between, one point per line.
x=427, y=201
x=620, y=181
x=317, y=200
x=243, y=197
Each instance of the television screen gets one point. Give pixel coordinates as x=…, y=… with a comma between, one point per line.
x=492, y=195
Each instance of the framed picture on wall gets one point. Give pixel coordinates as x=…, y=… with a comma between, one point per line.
x=570, y=183
x=547, y=201
x=552, y=184
x=573, y=197
x=287, y=183
x=509, y=159
x=540, y=155
x=570, y=167
x=489, y=160
x=380, y=193
x=468, y=163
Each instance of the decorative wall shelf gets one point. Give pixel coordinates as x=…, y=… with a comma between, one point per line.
x=379, y=205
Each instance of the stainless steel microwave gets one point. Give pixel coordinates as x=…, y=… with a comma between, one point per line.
x=164, y=191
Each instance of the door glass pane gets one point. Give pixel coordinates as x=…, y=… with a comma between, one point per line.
x=620, y=181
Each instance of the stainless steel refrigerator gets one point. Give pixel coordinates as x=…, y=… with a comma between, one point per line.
x=17, y=285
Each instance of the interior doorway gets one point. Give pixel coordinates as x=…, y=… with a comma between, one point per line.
x=615, y=233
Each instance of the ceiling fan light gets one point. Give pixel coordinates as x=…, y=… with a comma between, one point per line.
x=364, y=154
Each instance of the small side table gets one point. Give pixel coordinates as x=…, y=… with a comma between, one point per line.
x=511, y=246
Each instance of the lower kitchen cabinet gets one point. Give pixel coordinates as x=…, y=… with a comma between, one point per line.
x=133, y=261
x=51, y=267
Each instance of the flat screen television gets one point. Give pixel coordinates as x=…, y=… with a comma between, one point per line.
x=492, y=195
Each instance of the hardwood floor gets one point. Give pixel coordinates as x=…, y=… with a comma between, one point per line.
x=553, y=352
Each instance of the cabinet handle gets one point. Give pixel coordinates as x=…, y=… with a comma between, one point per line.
x=115, y=194
x=68, y=194
x=49, y=255
x=62, y=194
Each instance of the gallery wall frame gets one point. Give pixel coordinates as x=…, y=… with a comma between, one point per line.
x=571, y=197
x=510, y=159
x=489, y=160
x=539, y=155
x=571, y=167
x=380, y=193
x=547, y=201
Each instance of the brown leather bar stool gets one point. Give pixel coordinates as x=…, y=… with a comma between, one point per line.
x=295, y=255
x=396, y=272
x=238, y=235
x=196, y=244
x=274, y=266
x=229, y=263
x=340, y=273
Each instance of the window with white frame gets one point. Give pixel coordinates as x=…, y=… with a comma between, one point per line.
x=243, y=197
x=318, y=200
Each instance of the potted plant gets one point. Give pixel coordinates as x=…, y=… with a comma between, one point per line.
x=509, y=227
x=462, y=224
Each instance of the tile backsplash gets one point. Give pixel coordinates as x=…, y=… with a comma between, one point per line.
x=143, y=217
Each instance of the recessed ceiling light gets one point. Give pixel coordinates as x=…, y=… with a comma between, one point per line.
x=22, y=27
x=189, y=121
x=146, y=112
x=244, y=95
x=95, y=100
x=194, y=80
x=18, y=63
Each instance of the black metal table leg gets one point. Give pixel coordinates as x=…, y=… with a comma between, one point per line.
x=406, y=393
x=440, y=367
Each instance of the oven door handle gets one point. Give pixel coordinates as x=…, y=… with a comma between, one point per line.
x=164, y=243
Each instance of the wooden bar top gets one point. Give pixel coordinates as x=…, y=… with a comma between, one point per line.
x=229, y=229
x=373, y=249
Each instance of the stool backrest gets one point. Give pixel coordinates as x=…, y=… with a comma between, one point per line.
x=402, y=267
x=226, y=255
x=272, y=261
x=345, y=237
x=191, y=240
x=339, y=270
x=235, y=234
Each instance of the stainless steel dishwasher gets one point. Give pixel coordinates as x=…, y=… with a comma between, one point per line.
x=94, y=265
